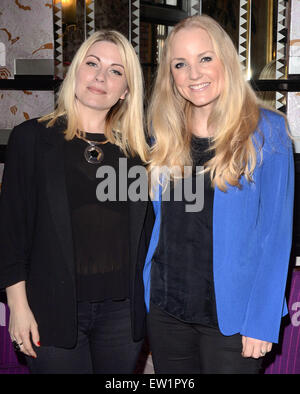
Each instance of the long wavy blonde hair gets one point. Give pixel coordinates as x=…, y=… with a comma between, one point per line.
x=234, y=117
x=124, y=124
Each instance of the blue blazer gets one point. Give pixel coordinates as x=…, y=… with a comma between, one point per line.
x=252, y=236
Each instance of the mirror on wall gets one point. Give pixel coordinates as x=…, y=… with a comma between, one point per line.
x=257, y=28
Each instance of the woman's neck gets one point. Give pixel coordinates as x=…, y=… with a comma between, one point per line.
x=198, y=125
x=91, y=121
x=90, y=126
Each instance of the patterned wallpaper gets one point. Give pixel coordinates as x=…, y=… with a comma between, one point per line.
x=26, y=32
x=293, y=112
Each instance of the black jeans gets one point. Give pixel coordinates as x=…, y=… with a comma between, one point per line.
x=104, y=344
x=182, y=348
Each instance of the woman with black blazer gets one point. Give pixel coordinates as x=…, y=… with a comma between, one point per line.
x=72, y=250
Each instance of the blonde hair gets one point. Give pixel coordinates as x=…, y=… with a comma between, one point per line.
x=124, y=124
x=234, y=118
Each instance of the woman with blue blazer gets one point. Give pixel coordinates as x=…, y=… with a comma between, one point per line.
x=215, y=272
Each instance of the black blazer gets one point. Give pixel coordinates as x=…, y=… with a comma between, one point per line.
x=36, y=235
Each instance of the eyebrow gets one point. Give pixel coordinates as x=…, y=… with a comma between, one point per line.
x=99, y=60
x=200, y=54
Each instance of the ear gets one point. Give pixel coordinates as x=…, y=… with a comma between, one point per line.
x=124, y=95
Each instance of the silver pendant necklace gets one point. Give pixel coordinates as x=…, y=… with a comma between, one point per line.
x=93, y=153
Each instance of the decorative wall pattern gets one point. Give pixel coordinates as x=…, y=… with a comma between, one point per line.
x=16, y=106
x=90, y=17
x=58, y=39
x=281, y=50
x=134, y=24
x=293, y=107
x=244, y=33
x=195, y=7
x=23, y=36
x=280, y=57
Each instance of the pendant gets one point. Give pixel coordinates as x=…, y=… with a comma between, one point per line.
x=93, y=154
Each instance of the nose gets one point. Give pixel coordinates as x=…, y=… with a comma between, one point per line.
x=195, y=71
x=100, y=75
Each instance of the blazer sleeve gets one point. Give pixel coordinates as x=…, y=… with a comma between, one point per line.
x=17, y=205
x=267, y=304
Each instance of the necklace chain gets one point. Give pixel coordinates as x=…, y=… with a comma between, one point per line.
x=93, y=143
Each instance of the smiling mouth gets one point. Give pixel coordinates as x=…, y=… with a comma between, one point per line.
x=200, y=86
x=96, y=91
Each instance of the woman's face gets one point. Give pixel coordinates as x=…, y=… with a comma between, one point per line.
x=100, y=78
x=197, y=71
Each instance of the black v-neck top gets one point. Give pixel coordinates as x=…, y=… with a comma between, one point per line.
x=100, y=229
x=182, y=269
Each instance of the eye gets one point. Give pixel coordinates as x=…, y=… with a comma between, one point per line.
x=91, y=64
x=206, y=59
x=179, y=65
x=117, y=72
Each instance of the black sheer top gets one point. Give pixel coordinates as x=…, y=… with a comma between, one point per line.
x=181, y=274
x=100, y=229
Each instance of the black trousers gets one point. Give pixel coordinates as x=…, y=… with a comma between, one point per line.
x=104, y=344
x=182, y=348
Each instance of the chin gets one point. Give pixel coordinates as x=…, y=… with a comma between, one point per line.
x=203, y=103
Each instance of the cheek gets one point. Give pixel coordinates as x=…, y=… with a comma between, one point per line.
x=221, y=83
x=78, y=81
x=120, y=88
x=179, y=80
x=124, y=87
x=77, y=88
x=221, y=77
x=85, y=75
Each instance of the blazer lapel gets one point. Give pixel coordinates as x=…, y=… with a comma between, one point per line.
x=137, y=213
x=57, y=192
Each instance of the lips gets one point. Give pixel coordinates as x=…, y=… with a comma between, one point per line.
x=94, y=90
x=200, y=86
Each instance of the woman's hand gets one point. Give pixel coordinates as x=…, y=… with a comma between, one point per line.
x=22, y=325
x=255, y=347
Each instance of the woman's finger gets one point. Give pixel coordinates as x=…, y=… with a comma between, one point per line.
x=27, y=347
x=35, y=336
